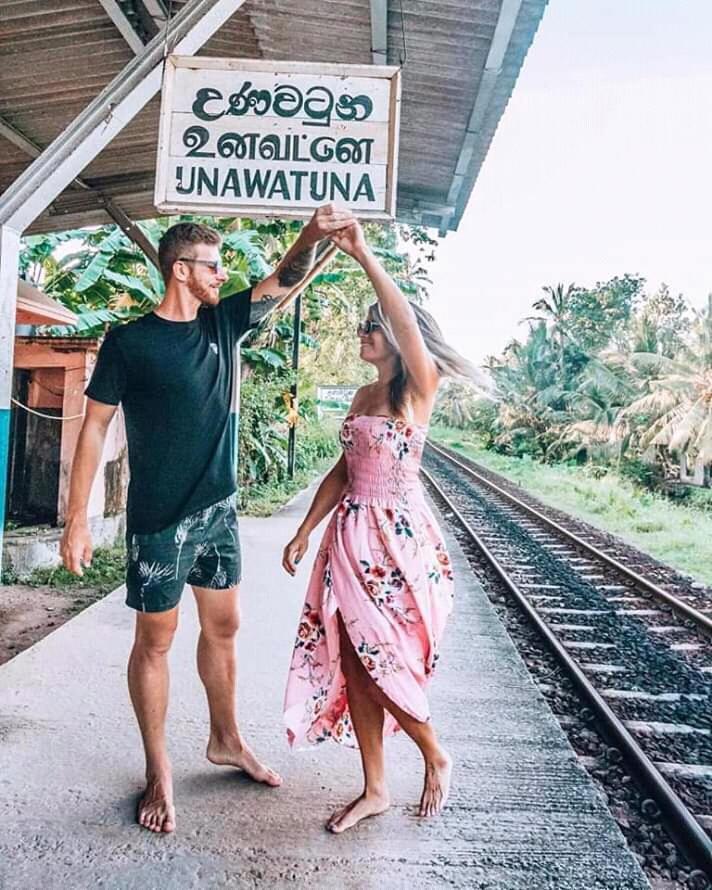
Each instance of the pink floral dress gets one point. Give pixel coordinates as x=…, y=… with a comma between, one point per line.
x=383, y=565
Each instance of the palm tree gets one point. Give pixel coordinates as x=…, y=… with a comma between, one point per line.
x=604, y=389
x=661, y=325
x=457, y=404
x=555, y=309
x=529, y=390
x=676, y=409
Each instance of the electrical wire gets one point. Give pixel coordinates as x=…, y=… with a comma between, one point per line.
x=404, y=57
x=54, y=392
x=45, y=416
x=165, y=38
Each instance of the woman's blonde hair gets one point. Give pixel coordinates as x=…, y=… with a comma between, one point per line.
x=448, y=361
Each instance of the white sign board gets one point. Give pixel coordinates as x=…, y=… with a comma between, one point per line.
x=244, y=137
x=334, y=399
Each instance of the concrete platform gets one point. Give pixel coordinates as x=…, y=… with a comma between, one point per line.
x=523, y=814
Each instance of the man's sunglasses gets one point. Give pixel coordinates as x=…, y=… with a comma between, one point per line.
x=365, y=327
x=214, y=265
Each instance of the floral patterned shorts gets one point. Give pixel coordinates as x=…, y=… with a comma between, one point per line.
x=203, y=549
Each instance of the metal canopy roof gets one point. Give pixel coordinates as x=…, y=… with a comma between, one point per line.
x=461, y=61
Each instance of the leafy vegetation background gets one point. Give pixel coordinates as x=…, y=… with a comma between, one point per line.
x=593, y=407
x=106, y=280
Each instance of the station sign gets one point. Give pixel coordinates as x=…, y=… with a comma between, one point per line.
x=332, y=399
x=241, y=137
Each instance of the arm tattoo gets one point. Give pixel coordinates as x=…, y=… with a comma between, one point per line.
x=260, y=308
x=296, y=267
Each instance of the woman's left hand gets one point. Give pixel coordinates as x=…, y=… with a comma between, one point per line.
x=351, y=240
x=293, y=553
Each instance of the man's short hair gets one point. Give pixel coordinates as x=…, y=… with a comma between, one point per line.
x=179, y=241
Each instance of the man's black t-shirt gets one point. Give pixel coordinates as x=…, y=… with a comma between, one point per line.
x=174, y=381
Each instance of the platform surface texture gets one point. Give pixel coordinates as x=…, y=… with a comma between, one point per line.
x=523, y=814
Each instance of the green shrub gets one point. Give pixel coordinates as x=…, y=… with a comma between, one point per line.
x=316, y=440
x=647, y=475
x=697, y=498
x=262, y=439
x=264, y=435
x=263, y=442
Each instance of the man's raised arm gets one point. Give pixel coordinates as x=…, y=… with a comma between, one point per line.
x=298, y=260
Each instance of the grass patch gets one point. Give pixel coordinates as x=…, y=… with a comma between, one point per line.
x=263, y=500
x=675, y=534
x=106, y=573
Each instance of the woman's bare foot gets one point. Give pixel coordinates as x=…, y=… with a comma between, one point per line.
x=368, y=804
x=436, y=786
x=155, y=809
x=234, y=752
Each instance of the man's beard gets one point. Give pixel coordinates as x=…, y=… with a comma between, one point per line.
x=204, y=294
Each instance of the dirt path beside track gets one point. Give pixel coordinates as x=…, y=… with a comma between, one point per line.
x=27, y=614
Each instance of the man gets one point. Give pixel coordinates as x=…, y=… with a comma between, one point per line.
x=172, y=372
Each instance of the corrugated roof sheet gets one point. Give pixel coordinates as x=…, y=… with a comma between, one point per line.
x=55, y=58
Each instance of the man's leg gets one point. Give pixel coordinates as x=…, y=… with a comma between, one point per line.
x=217, y=665
x=148, y=686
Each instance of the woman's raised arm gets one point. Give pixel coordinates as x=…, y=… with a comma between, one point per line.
x=423, y=373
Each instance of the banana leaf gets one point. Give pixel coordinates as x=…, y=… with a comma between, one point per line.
x=96, y=268
x=132, y=284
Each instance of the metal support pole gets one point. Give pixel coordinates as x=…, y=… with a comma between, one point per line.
x=325, y=254
x=109, y=113
x=9, y=259
x=292, y=445
x=379, y=32
x=509, y=11
x=132, y=229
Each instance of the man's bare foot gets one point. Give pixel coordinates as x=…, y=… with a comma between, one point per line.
x=155, y=809
x=234, y=752
x=368, y=804
x=436, y=786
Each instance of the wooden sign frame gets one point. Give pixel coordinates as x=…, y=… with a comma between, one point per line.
x=352, y=76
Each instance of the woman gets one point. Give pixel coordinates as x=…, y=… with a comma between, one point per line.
x=381, y=588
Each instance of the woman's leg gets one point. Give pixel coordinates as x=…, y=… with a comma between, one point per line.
x=367, y=717
x=438, y=763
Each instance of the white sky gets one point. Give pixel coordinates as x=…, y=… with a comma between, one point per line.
x=600, y=166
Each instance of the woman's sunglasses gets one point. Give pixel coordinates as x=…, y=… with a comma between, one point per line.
x=365, y=327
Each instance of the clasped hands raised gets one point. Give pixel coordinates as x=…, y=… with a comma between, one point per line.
x=339, y=226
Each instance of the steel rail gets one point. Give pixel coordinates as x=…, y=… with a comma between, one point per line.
x=682, y=608
x=679, y=821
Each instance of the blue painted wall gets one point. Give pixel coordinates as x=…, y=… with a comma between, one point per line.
x=4, y=452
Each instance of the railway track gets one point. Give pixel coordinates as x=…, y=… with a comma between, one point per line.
x=638, y=653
